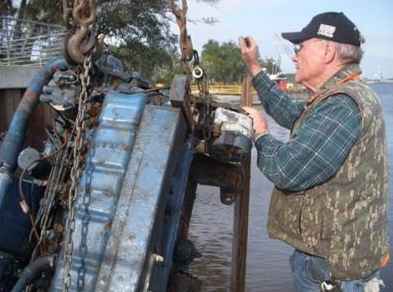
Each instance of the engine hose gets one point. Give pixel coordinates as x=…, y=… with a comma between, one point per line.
x=32, y=271
x=14, y=139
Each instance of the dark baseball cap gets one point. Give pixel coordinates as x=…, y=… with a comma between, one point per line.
x=333, y=26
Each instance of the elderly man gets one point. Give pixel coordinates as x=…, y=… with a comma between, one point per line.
x=330, y=178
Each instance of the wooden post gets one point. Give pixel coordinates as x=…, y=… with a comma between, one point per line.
x=241, y=212
x=240, y=231
x=246, y=97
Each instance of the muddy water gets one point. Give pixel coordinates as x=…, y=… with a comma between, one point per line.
x=267, y=263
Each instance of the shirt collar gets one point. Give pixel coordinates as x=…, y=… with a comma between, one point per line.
x=343, y=73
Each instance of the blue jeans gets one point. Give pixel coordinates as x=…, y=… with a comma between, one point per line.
x=310, y=271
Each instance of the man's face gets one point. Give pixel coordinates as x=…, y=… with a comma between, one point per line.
x=309, y=61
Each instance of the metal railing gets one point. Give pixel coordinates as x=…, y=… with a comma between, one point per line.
x=29, y=43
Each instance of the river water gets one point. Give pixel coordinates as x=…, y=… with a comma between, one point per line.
x=267, y=261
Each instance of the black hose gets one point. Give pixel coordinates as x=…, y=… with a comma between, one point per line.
x=32, y=271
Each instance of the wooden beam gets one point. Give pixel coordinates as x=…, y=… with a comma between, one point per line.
x=180, y=97
x=240, y=232
x=241, y=212
x=189, y=201
x=246, y=97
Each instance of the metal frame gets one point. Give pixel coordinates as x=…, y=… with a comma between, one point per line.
x=29, y=43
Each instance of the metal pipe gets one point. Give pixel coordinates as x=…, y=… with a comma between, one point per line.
x=5, y=182
x=32, y=271
x=14, y=139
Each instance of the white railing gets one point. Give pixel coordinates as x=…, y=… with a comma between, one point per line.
x=29, y=43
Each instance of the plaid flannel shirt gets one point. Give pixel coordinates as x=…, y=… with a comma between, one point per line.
x=319, y=147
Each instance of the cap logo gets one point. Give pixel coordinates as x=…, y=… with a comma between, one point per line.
x=326, y=30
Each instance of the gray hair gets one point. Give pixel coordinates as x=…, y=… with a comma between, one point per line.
x=349, y=54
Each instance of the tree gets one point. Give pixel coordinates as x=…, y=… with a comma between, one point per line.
x=6, y=7
x=141, y=29
x=223, y=62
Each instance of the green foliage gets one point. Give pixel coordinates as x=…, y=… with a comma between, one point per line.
x=140, y=29
x=143, y=30
x=48, y=11
x=157, y=64
x=223, y=62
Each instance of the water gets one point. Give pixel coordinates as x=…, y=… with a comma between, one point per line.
x=267, y=262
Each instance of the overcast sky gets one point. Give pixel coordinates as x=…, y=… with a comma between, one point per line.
x=265, y=19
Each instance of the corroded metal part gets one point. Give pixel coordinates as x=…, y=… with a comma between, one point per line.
x=234, y=141
x=79, y=12
x=151, y=182
x=107, y=161
x=83, y=39
x=133, y=187
x=208, y=171
x=77, y=45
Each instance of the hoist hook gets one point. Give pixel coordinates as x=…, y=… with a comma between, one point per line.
x=83, y=39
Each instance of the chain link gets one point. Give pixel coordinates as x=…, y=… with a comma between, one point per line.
x=83, y=248
x=79, y=145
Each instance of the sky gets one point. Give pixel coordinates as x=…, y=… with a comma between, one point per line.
x=266, y=19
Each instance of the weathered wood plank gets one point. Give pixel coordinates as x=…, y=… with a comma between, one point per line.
x=240, y=231
x=241, y=213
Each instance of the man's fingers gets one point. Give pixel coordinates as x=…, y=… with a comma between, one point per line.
x=246, y=43
x=250, y=42
x=242, y=45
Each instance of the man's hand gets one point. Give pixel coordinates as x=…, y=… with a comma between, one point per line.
x=249, y=51
x=260, y=123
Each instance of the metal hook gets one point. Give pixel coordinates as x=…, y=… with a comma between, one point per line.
x=80, y=9
x=83, y=40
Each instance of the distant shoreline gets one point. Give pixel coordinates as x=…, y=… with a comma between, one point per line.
x=388, y=81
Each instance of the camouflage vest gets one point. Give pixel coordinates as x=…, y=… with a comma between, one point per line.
x=344, y=219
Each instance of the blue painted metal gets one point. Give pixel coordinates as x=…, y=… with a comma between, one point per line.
x=13, y=142
x=137, y=227
x=173, y=214
x=14, y=139
x=103, y=178
x=137, y=169
x=5, y=183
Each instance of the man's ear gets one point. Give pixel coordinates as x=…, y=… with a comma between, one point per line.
x=330, y=53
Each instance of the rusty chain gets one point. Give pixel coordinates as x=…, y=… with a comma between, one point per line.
x=79, y=145
x=79, y=48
